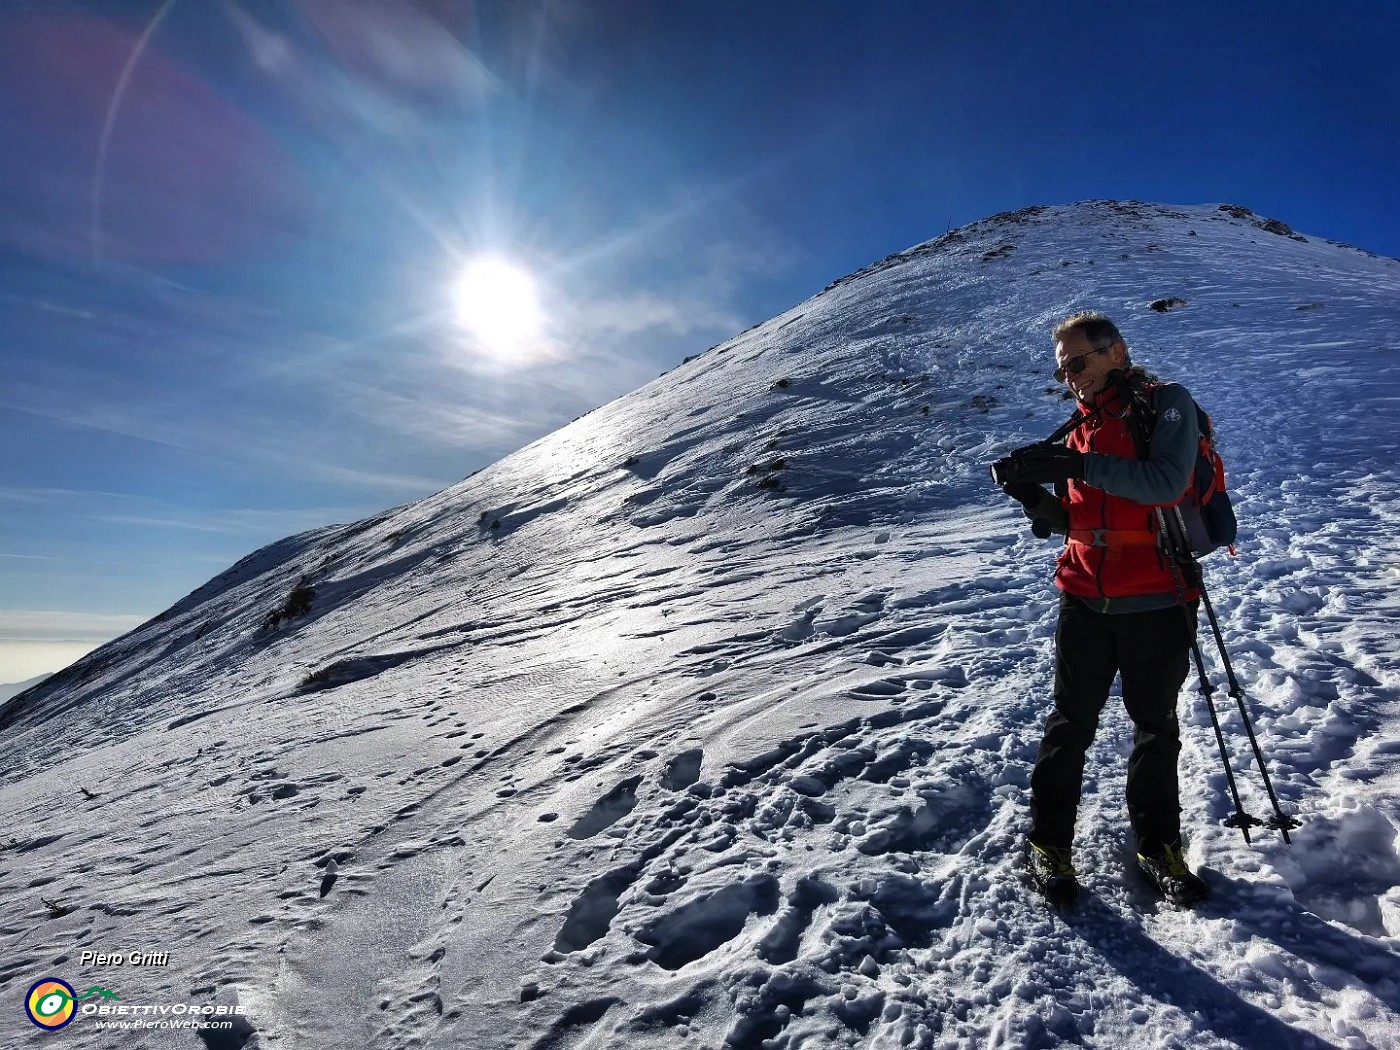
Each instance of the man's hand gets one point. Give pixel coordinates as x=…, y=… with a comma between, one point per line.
x=1024, y=493
x=1045, y=464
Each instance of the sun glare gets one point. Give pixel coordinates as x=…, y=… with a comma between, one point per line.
x=497, y=303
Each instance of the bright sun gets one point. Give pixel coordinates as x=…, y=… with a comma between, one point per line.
x=497, y=302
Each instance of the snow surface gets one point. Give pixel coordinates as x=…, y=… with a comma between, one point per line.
x=707, y=720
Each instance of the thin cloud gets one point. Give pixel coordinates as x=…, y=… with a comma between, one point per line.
x=230, y=436
x=115, y=508
x=225, y=522
x=653, y=312
x=378, y=481
x=108, y=419
x=379, y=64
x=40, y=625
x=454, y=425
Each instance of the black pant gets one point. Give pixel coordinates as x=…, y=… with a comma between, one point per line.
x=1151, y=652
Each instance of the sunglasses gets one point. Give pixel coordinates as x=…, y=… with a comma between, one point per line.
x=1077, y=364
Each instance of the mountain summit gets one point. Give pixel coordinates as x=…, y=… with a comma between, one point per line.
x=707, y=719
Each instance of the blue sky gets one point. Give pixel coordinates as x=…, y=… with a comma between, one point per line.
x=230, y=231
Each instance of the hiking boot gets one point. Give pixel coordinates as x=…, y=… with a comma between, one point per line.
x=1052, y=871
x=1167, y=871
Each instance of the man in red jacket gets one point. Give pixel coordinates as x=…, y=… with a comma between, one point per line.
x=1120, y=604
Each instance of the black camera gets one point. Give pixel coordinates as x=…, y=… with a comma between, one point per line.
x=1005, y=470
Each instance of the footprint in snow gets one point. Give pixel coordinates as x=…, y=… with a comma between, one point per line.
x=564, y=1031
x=781, y=943
x=897, y=759
x=593, y=910
x=903, y=905
x=608, y=810
x=801, y=629
x=702, y=926
x=329, y=876
x=950, y=816
x=953, y=676
x=683, y=770
x=880, y=689
x=848, y=622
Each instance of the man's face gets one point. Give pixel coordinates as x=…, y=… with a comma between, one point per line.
x=1084, y=385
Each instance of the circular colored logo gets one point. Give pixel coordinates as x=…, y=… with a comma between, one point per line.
x=50, y=1003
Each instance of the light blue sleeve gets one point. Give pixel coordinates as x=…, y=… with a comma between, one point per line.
x=1171, y=457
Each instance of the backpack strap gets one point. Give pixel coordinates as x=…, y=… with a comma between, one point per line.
x=1208, y=453
x=1142, y=413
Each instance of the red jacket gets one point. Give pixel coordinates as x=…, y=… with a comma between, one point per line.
x=1110, y=551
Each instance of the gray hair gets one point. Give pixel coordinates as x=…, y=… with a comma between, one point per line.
x=1097, y=328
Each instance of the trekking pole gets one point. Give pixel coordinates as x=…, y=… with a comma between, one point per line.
x=1280, y=821
x=1241, y=819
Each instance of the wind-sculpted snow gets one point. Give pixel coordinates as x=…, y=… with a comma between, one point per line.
x=707, y=721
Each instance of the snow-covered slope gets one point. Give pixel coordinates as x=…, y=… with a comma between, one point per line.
x=707, y=720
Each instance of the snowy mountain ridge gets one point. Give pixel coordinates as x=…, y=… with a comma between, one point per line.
x=707, y=719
